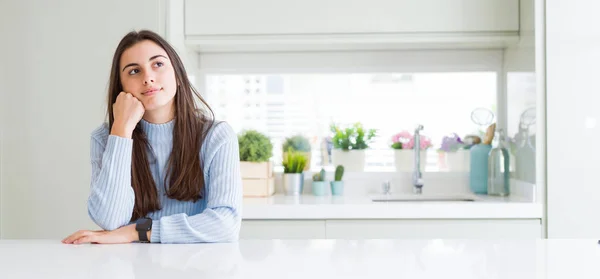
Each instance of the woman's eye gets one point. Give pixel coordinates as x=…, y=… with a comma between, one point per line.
x=134, y=71
x=159, y=64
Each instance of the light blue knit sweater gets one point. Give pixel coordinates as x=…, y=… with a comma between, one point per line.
x=215, y=218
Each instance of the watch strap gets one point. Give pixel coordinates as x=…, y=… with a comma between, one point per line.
x=143, y=236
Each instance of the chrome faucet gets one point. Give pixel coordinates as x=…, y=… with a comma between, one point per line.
x=386, y=187
x=417, y=175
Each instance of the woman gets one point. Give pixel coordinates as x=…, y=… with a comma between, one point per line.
x=162, y=169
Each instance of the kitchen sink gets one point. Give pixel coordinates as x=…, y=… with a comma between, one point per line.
x=424, y=197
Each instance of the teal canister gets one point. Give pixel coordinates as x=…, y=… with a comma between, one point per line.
x=478, y=176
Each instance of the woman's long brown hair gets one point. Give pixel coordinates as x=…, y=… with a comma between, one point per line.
x=184, y=171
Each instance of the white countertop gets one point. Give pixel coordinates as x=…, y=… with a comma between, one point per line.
x=304, y=259
x=361, y=207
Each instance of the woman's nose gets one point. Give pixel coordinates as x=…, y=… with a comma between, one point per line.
x=148, y=80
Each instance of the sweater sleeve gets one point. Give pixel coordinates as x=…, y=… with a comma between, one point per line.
x=221, y=220
x=111, y=200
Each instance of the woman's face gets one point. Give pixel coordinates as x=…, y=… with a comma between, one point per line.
x=147, y=73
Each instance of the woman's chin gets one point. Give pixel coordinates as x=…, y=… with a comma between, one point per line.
x=155, y=102
x=152, y=104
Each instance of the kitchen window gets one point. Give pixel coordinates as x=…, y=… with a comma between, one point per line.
x=282, y=100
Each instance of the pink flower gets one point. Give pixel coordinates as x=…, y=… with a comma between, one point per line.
x=408, y=142
x=403, y=137
x=425, y=143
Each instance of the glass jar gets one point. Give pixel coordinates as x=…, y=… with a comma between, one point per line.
x=499, y=168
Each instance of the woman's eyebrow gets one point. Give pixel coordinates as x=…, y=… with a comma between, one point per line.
x=151, y=58
x=156, y=56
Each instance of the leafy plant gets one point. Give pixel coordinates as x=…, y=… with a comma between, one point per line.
x=319, y=176
x=294, y=162
x=297, y=143
x=254, y=146
x=354, y=137
x=339, y=173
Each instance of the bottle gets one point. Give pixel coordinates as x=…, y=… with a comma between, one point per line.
x=479, y=154
x=478, y=174
x=525, y=158
x=499, y=168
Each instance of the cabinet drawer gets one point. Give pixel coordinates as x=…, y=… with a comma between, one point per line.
x=283, y=229
x=373, y=229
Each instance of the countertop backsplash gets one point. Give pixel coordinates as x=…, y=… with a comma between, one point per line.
x=371, y=183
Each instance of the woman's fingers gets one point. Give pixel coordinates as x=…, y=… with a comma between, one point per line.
x=85, y=239
x=70, y=238
x=121, y=235
x=76, y=236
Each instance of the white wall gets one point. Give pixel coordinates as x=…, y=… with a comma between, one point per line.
x=56, y=58
x=4, y=10
x=573, y=112
x=2, y=102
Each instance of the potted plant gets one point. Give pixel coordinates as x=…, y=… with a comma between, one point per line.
x=298, y=143
x=293, y=176
x=256, y=168
x=319, y=184
x=337, y=186
x=403, y=146
x=456, y=156
x=349, y=145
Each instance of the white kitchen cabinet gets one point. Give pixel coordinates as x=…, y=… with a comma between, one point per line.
x=287, y=17
x=467, y=228
x=400, y=229
x=283, y=229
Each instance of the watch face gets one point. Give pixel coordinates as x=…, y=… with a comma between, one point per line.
x=144, y=224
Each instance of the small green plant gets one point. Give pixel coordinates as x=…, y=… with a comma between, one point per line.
x=339, y=173
x=254, y=146
x=319, y=176
x=294, y=162
x=397, y=145
x=354, y=137
x=297, y=143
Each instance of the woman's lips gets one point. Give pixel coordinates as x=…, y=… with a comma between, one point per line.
x=151, y=91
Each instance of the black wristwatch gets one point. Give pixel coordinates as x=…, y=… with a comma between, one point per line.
x=142, y=226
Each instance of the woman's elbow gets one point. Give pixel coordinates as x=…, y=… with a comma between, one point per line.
x=233, y=231
x=109, y=216
x=105, y=223
x=228, y=230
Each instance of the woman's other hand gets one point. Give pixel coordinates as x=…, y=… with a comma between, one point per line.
x=127, y=112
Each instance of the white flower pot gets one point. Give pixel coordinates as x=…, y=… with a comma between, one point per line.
x=352, y=160
x=404, y=159
x=459, y=160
